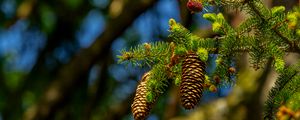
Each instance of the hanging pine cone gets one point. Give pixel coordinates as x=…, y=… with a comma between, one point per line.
x=193, y=76
x=140, y=107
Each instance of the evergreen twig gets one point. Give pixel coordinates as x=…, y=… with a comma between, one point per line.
x=264, y=20
x=280, y=83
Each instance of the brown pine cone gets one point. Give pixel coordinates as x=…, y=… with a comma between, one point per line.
x=140, y=107
x=193, y=76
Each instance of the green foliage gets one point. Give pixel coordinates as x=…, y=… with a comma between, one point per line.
x=266, y=34
x=176, y=70
x=158, y=78
x=279, y=64
x=248, y=25
x=210, y=16
x=277, y=10
x=222, y=66
x=202, y=54
x=285, y=86
x=180, y=50
x=147, y=54
x=150, y=96
x=293, y=101
x=177, y=80
x=219, y=25
x=183, y=38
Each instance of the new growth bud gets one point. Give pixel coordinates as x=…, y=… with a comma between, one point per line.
x=210, y=16
x=220, y=16
x=279, y=64
x=173, y=25
x=216, y=27
x=202, y=54
x=278, y=9
x=292, y=20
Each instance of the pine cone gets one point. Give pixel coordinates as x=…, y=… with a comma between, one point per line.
x=140, y=107
x=193, y=76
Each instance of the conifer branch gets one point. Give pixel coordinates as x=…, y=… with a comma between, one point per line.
x=280, y=83
x=146, y=54
x=292, y=46
x=189, y=52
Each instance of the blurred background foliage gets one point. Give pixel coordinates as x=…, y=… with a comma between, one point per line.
x=58, y=57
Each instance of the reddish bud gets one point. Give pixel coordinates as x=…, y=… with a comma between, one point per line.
x=217, y=79
x=194, y=6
